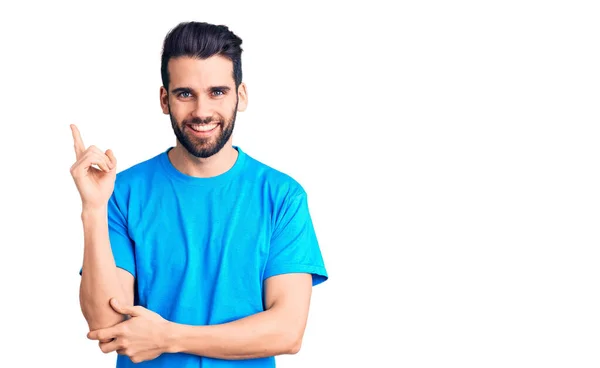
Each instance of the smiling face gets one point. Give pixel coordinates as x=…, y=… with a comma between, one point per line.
x=202, y=103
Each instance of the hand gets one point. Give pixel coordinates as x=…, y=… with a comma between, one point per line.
x=95, y=186
x=142, y=337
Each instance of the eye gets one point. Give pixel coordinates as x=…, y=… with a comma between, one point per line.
x=218, y=93
x=183, y=94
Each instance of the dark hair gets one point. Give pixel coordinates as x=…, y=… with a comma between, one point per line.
x=201, y=40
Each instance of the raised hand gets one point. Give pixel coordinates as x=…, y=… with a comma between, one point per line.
x=95, y=186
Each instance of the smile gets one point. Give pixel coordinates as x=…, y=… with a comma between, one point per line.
x=203, y=130
x=203, y=127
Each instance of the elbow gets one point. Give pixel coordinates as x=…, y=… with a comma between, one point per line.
x=293, y=343
x=97, y=319
x=295, y=348
x=98, y=315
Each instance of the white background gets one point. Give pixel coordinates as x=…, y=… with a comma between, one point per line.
x=449, y=149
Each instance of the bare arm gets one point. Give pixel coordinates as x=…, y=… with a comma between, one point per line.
x=278, y=330
x=101, y=279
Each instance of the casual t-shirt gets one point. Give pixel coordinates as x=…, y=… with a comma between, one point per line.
x=201, y=248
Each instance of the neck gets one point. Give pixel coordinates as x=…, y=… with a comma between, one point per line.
x=214, y=165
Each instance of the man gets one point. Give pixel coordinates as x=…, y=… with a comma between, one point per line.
x=215, y=249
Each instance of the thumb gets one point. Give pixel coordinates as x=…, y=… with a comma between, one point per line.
x=122, y=309
x=111, y=156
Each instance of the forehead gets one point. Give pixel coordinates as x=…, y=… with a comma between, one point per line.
x=185, y=71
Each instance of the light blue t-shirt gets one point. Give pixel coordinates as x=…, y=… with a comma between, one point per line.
x=201, y=248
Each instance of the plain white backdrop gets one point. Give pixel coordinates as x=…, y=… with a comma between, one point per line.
x=449, y=150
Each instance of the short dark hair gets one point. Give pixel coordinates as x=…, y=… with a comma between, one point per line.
x=201, y=40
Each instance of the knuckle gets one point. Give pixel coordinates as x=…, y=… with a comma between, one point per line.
x=85, y=157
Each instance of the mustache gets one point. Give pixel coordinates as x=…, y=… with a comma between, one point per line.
x=202, y=121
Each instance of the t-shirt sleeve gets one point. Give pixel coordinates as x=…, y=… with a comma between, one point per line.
x=121, y=244
x=294, y=246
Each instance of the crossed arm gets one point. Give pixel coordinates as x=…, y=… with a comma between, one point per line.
x=277, y=330
x=146, y=335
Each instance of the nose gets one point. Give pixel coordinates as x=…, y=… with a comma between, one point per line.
x=203, y=108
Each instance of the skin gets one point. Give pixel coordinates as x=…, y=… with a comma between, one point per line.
x=275, y=331
x=94, y=173
x=202, y=91
x=107, y=291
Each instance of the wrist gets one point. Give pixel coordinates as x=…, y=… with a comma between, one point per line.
x=171, y=338
x=89, y=212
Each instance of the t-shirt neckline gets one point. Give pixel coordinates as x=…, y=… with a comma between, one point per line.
x=225, y=177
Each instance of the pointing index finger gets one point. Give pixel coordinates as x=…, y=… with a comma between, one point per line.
x=79, y=147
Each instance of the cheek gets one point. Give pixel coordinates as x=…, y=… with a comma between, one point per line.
x=227, y=107
x=180, y=112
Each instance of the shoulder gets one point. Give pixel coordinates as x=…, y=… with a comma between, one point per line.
x=280, y=184
x=138, y=174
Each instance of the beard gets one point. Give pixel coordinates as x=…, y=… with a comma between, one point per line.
x=204, y=147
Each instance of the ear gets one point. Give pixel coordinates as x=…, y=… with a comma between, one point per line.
x=164, y=100
x=242, y=97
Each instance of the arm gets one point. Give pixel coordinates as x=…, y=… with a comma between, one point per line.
x=294, y=266
x=100, y=278
x=277, y=330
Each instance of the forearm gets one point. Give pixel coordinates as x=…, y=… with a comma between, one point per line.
x=260, y=335
x=99, y=281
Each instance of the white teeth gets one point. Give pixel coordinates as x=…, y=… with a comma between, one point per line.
x=203, y=128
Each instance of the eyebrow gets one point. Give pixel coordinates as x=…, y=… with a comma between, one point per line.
x=189, y=90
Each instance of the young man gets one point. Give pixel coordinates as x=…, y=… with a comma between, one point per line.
x=215, y=249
